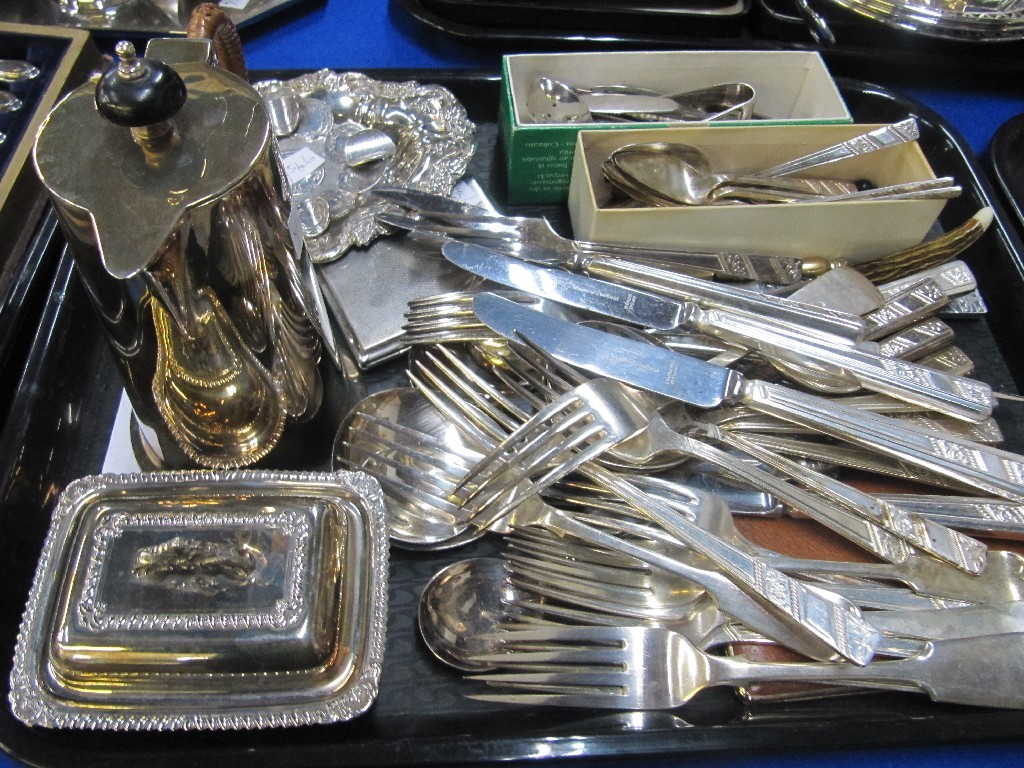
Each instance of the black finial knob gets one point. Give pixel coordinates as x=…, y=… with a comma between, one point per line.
x=139, y=92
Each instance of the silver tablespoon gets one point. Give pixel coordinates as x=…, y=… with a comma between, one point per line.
x=463, y=603
x=681, y=174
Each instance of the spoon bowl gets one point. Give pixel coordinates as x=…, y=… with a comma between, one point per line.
x=671, y=173
x=552, y=101
x=397, y=436
x=461, y=605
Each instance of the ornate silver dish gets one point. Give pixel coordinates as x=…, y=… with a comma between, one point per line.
x=434, y=142
x=206, y=600
x=967, y=20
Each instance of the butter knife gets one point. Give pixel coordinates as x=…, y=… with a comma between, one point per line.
x=758, y=323
x=693, y=381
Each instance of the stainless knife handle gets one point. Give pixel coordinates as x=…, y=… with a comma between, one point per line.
x=708, y=294
x=986, y=469
x=915, y=303
x=778, y=270
x=886, y=136
x=956, y=396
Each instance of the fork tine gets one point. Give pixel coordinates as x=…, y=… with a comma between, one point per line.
x=439, y=480
x=595, y=635
x=543, y=425
x=639, y=609
x=580, y=560
x=544, y=610
x=437, y=453
x=605, y=700
x=442, y=510
x=441, y=298
x=585, y=665
x=561, y=469
x=472, y=422
x=475, y=386
x=567, y=377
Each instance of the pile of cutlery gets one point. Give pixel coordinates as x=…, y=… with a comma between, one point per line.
x=613, y=415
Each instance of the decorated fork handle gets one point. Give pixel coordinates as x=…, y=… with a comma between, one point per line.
x=986, y=469
x=825, y=615
x=926, y=534
x=730, y=597
x=886, y=136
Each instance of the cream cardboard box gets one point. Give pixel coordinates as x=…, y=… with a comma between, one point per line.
x=852, y=230
x=790, y=87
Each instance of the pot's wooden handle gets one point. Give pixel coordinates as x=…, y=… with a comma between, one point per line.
x=209, y=21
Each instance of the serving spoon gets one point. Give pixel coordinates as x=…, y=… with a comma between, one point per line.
x=680, y=174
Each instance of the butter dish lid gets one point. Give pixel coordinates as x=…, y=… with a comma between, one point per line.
x=206, y=600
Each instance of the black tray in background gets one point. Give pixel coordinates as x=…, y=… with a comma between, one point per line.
x=864, y=49
x=60, y=420
x=141, y=18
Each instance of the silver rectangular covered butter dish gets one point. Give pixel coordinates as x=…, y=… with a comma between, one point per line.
x=206, y=600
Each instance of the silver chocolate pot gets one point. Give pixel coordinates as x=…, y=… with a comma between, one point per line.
x=168, y=190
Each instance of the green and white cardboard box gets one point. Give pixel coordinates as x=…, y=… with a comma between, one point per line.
x=854, y=230
x=792, y=87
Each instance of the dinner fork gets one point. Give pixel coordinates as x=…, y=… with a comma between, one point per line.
x=648, y=435
x=438, y=215
x=569, y=570
x=656, y=668
x=1000, y=578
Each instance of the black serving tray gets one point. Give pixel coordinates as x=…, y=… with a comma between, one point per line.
x=61, y=415
x=1006, y=154
x=863, y=49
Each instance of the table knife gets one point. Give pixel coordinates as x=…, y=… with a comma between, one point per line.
x=693, y=381
x=761, y=323
x=622, y=284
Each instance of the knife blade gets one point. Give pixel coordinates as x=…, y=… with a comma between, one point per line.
x=693, y=381
x=768, y=331
x=529, y=277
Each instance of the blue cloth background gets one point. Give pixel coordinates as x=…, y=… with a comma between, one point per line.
x=371, y=34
